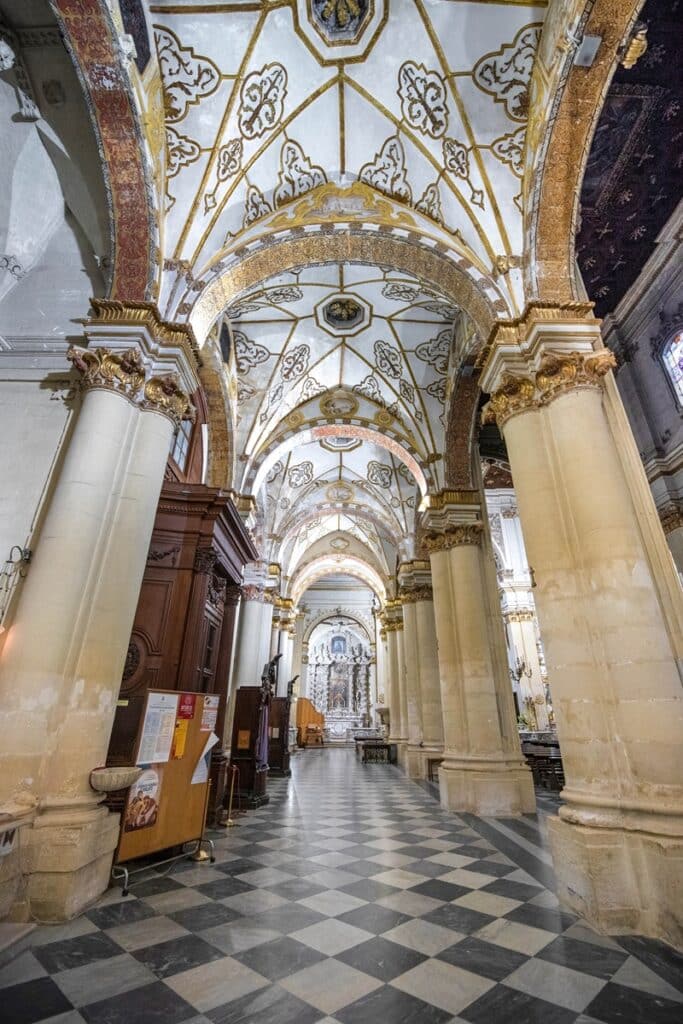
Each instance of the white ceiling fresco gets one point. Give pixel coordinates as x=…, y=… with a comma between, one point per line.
x=342, y=372
x=424, y=100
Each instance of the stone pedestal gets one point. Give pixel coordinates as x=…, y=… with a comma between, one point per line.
x=616, y=681
x=483, y=771
x=64, y=653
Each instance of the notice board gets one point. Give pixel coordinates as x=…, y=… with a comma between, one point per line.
x=166, y=806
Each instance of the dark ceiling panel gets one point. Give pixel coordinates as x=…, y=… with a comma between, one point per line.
x=635, y=169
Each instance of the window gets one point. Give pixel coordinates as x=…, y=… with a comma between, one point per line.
x=180, y=444
x=672, y=355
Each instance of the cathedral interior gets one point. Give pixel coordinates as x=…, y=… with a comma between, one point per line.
x=341, y=517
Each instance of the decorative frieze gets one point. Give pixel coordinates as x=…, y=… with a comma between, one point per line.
x=124, y=372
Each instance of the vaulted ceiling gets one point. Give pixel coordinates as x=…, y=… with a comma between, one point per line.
x=424, y=100
x=340, y=369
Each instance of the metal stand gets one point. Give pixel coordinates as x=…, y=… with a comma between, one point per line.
x=120, y=873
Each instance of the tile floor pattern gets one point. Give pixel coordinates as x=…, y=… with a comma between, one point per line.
x=351, y=898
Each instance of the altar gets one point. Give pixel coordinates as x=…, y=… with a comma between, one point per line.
x=338, y=682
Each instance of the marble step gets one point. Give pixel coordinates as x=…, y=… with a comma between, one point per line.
x=14, y=939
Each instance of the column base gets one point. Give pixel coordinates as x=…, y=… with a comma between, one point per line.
x=67, y=861
x=488, y=788
x=401, y=750
x=621, y=881
x=414, y=768
x=417, y=760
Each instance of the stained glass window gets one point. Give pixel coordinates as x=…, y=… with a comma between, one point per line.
x=672, y=355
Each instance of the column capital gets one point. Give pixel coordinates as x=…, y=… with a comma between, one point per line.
x=671, y=516
x=554, y=374
x=127, y=373
x=119, y=322
x=450, y=519
x=415, y=581
x=452, y=537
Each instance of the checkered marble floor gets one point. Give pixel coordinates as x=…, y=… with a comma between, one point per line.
x=351, y=898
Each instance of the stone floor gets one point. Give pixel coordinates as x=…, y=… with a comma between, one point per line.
x=351, y=898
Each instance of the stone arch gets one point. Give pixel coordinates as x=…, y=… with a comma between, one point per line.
x=556, y=183
x=116, y=123
x=326, y=565
x=356, y=511
x=347, y=613
x=445, y=269
x=387, y=439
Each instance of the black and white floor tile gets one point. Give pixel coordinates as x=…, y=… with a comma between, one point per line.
x=351, y=898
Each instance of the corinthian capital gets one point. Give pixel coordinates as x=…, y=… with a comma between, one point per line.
x=123, y=372
x=515, y=395
x=454, y=536
x=560, y=372
x=556, y=374
x=164, y=394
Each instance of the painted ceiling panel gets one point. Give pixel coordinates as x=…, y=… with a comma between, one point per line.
x=264, y=102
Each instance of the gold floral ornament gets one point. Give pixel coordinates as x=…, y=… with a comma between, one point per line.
x=102, y=368
x=516, y=394
x=164, y=394
x=559, y=373
x=454, y=536
x=340, y=12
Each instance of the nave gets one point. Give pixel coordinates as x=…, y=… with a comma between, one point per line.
x=353, y=897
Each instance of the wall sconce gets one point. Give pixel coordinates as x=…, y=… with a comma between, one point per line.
x=533, y=576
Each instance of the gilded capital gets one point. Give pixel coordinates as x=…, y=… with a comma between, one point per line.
x=164, y=394
x=560, y=372
x=123, y=372
x=515, y=395
x=455, y=536
x=411, y=595
x=556, y=374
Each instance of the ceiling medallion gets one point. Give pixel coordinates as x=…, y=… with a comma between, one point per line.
x=340, y=492
x=338, y=403
x=340, y=444
x=340, y=29
x=343, y=315
x=339, y=543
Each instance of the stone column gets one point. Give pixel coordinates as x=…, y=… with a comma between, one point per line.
x=402, y=738
x=412, y=687
x=253, y=635
x=425, y=727
x=64, y=653
x=609, y=636
x=483, y=771
x=393, y=694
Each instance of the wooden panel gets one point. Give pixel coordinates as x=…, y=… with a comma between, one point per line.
x=181, y=804
x=306, y=714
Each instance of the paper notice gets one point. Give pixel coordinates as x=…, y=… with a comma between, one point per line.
x=209, y=712
x=158, y=728
x=201, y=772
